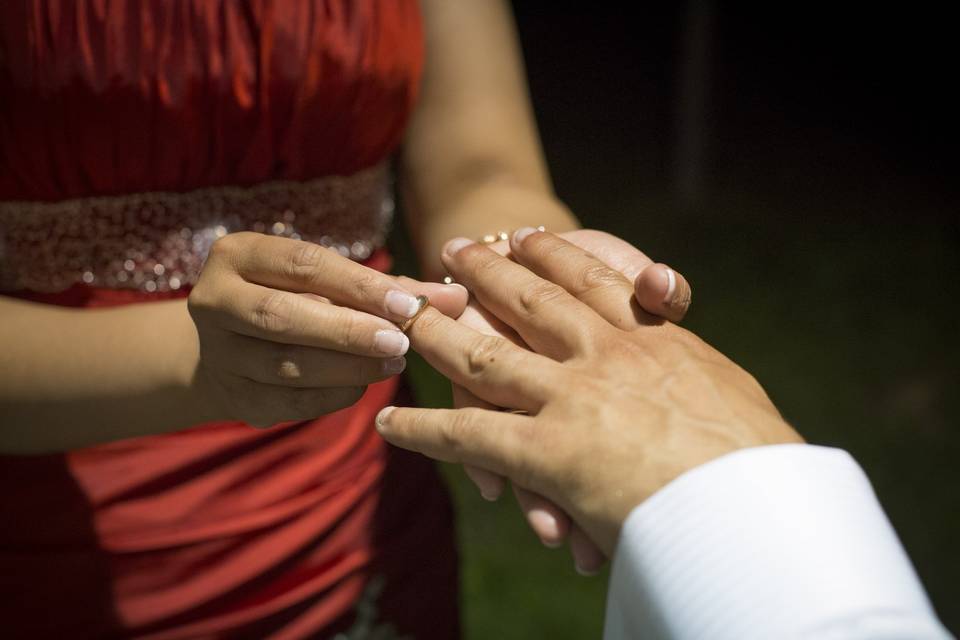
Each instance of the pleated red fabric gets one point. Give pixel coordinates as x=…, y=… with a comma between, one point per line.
x=219, y=530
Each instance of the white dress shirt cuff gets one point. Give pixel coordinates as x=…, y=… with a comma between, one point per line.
x=784, y=541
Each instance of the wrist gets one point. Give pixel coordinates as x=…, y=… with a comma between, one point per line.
x=489, y=209
x=184, y=372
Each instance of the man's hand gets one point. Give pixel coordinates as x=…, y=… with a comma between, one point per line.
x=614, y=414
x=659, y=291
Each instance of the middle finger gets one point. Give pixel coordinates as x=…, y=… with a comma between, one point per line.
x=549, y=319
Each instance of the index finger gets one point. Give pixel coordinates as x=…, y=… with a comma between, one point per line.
x=589, y=279
x=492, y=440
x=491, y=367
x=544, y=314
x=305, y=267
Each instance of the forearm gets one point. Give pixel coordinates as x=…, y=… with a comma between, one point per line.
x=472, y=162
x=487, y=208
x=72, y=378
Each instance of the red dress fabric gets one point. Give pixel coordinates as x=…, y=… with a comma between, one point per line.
x=219, y=530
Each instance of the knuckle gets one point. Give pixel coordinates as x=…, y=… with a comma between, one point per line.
x=365, y=284
x=351, y=332
x=307, y=255
x=483, y=353
x=225, y=246
x=304, y=262
x=534, y=297
x=272, y=313
x=599, y=276
x=455, y=432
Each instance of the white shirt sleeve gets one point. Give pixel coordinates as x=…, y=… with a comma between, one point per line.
x=784, y=541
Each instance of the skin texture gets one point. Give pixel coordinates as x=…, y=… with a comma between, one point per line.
x=550, y=523
x=650, y=402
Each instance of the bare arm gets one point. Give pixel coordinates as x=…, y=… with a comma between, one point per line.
x=74, y=377
x=472, y=162
x=245, y=346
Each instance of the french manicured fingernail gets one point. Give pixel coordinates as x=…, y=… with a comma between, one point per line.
x=589, y=573
x=678, y=291
x=546, y=527
x=391, y=342
x=671, y=286
x=520, y=234
x=393, y=366
x=490, y=490
x=381, y=421
x=453, y=246
x=401, y=303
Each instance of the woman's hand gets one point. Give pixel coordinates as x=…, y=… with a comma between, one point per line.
x=660, y=292
x=289, y=330
x=614, y=413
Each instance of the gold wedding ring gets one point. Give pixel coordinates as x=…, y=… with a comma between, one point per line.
x=423, y=302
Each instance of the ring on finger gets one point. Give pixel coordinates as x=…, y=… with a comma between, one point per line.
x=423, y=302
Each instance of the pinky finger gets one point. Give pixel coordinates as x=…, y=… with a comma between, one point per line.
x=663, y=292
x=490, y=484
x=548, y=521
x=587, y=557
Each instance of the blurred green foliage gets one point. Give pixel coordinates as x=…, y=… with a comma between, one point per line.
x=848, y=323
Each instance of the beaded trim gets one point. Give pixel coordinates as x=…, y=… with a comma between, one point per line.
x=158, y=241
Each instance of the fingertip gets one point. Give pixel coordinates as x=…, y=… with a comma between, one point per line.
x=453, y=246
x=382, y=420
x=490, y=484
x=519, y=235
x=588, y=560
x=551, y=531
x=663, y=292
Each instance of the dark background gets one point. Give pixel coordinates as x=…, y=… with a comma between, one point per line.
x=797, y=165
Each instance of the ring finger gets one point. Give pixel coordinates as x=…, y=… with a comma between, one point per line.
x=298, y=366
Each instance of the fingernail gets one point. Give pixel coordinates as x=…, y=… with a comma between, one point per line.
x=391, y=342
x=381, y=421
x=520, y=234
x=401, y=303
x=587, y=573
x=453, y=246
x=393, y=366
x=671, y=286
x=545, y=525
x=489, y=496
x=678, y=291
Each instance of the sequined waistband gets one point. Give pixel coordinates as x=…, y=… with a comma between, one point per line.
x=158, y=241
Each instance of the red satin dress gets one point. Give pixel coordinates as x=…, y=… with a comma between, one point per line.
x=133, y=133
